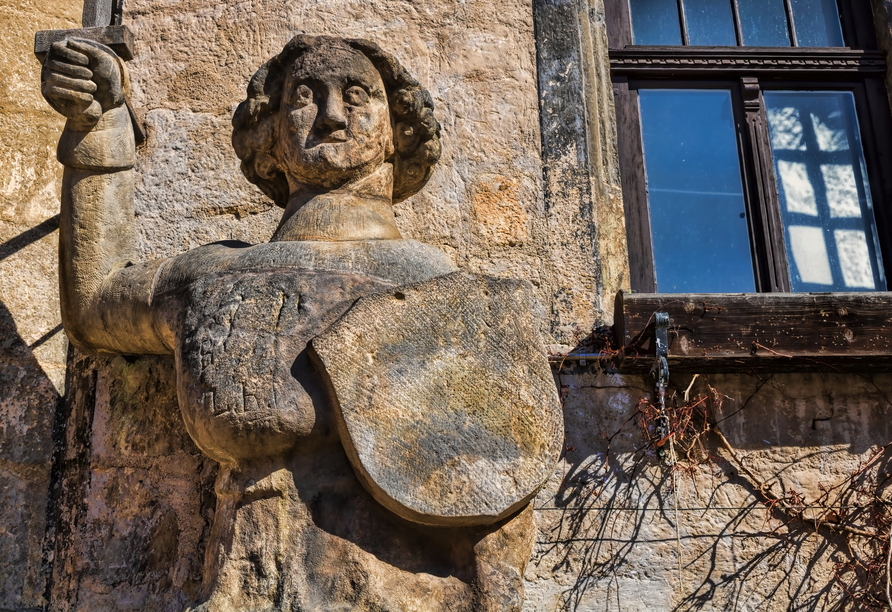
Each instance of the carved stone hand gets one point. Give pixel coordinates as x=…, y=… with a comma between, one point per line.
x=82, y=79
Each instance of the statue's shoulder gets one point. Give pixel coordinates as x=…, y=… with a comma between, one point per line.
x=397, y=262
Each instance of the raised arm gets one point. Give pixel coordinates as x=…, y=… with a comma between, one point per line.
x=106, y=299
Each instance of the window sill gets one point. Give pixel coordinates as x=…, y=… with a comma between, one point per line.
x=777, y=332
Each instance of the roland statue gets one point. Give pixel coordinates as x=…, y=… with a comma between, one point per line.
x=381, y=419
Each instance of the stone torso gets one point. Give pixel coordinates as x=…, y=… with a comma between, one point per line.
x=246, y=386
x=252, y=400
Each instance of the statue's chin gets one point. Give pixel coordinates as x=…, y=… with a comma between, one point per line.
x=334, y=164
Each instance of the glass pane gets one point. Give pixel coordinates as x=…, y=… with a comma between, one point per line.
x=655, y=22
x=710, y=22
x=697, y=212
x=764, y=23
x=823, y=190
x=817, y=23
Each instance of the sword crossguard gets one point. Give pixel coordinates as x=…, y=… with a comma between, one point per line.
x=118, y=37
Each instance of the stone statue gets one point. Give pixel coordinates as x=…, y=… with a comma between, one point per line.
x=381, y=420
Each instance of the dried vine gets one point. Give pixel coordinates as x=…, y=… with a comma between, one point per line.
x=853, y=515
x=853, y=508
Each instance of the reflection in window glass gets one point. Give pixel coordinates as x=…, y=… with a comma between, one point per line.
x=817, y=23
x=710, y=22
x=655, y=22
x=823, y=190
x=694, y=190
x=764, y=23
x=797, y=188
x=810, y=250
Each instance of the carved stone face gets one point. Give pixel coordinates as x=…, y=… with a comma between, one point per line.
x=334, y=122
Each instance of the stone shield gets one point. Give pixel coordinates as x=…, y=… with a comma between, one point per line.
x=444, y=398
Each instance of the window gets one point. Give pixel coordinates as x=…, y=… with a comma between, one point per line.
x=754, y=141
x=753, y=23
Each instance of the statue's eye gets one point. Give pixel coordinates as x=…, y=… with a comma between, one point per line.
x=303, y=95
x=356, y=96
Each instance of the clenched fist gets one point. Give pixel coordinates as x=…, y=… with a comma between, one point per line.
x=83, y=79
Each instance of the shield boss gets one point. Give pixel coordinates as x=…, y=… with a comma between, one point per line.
x=444, y=398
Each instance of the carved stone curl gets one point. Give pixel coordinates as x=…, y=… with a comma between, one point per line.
x=333, y=130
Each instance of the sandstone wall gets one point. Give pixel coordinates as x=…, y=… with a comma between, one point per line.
x=32, y=344
x=622, y=530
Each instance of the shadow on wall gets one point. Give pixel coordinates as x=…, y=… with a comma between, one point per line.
x=29, y=405
x=136, y=497
x=28, y=237
x=800, y=522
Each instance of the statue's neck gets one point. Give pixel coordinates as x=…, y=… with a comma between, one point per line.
x=361, y=210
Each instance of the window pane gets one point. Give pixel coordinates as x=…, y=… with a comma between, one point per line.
x=817, y=23
x=823, y=190
x=710, y=22
x=655, y=22
x=764, y=23
x=697, y=212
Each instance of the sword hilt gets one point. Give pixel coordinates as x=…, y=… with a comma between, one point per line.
x=118, y=37
x=101, y=13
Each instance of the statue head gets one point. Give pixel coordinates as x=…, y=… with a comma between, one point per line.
x=329, y=110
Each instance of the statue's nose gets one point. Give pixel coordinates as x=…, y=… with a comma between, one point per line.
x=332, y=116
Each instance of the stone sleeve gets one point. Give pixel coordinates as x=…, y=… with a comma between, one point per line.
x=108, y=146
x=106, y=297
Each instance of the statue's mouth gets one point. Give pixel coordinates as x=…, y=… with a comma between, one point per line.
x=335, y=137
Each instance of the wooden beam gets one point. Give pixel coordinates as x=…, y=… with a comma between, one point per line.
x=759, y=331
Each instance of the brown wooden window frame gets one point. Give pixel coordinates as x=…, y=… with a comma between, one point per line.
x=771, y=332
x=747, y=72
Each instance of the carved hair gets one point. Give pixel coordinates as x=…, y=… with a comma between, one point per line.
x=416, y=133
